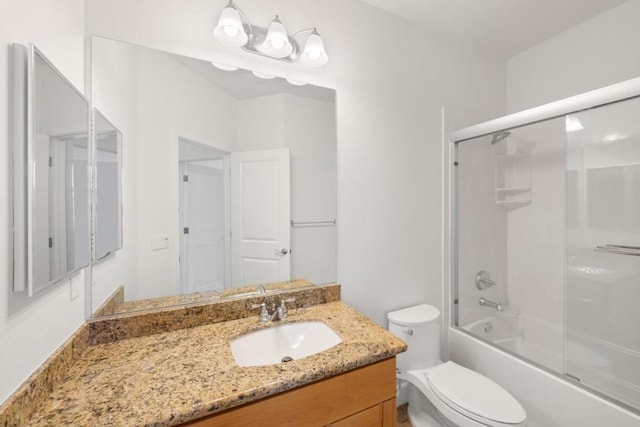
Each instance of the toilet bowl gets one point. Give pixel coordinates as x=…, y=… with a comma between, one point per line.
x=446, y=394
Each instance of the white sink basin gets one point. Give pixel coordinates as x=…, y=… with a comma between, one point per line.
x=283, y=343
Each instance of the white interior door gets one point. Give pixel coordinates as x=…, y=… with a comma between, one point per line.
x=202, y=256
x=260, y=212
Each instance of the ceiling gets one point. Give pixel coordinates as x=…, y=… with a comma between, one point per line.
x=500, y=27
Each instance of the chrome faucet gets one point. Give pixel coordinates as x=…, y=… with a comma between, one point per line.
x=488, y=303
x=279, y=313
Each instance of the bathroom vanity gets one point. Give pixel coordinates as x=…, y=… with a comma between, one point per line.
x=330, y=402
x=189, y=375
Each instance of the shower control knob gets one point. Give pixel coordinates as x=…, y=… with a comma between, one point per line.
x=483, y=280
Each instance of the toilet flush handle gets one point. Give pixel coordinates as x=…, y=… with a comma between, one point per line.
x=408, y=332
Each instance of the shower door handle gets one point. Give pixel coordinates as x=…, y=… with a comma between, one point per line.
x=619, y=249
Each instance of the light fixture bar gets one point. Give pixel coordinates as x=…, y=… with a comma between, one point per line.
x=273, y=42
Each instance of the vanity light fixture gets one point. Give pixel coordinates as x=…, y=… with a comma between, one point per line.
x=273, y=42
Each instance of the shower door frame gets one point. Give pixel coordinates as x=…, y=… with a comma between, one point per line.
x=596, y=98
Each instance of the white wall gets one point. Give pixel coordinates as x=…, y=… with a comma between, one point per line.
x=260, y=123
x=114, y=95
x=389, y=98
x=310, y=134
x=599, y=52
x=29, y=334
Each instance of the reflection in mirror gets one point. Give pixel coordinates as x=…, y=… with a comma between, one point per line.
x=230, y=180
x=56, y=165
x=108, y=202
x=202, y=209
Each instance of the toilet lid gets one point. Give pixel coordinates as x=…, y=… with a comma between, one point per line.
x=473, y=394
x=414, y=316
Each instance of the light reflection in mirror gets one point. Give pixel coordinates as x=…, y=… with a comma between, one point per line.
x=159, y=100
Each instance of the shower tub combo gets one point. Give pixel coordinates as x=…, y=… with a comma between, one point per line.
x=544, y=243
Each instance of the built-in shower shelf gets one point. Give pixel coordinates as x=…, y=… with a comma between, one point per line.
x=511, y=205
x=513, y=173
x=513, y=190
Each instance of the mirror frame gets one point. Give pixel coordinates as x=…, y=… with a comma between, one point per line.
x=24, y=100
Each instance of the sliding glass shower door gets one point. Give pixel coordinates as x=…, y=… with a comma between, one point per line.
x=602, y=320
x=547, y=243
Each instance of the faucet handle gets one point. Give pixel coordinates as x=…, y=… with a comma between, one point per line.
x=282, y=310
x=264, y=313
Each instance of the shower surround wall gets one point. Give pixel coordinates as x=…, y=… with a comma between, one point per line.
x=482, y=247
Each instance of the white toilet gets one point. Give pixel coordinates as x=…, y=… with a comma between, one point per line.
x=446, y=394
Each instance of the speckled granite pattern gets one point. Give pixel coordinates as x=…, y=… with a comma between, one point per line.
x=174, y=377
x=166, y=302
x=274, y=286
x=133, y=325
x=17, y=409
x=113, y=304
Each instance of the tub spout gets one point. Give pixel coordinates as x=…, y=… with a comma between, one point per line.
x=488, y=303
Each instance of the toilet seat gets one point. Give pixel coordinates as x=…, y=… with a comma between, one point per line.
x=468, y=394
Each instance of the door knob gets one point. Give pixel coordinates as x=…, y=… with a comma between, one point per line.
x=281, y=252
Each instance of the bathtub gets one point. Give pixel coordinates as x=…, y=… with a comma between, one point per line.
x=538, y=341
x=521, y=353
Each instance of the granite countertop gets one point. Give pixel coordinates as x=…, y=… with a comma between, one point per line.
x=174, y=377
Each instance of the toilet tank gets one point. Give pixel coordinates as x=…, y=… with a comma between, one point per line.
x=419, y=327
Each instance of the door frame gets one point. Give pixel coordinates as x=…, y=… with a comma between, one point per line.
x=223, y=154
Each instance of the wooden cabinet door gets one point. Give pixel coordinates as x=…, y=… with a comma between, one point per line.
x=371, y=417
x=382, y=415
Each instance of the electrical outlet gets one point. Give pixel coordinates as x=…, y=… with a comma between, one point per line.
x=159, y=241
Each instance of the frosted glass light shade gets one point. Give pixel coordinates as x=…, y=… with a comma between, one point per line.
x=229, y=30
x=224, y=67
x=296, y=82
x=262, y=75
x=313, y=54
x=276, y=43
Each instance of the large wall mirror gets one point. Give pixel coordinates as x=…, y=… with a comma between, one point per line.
x=51, y=191
x=228, y=179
